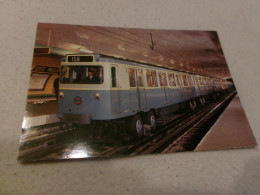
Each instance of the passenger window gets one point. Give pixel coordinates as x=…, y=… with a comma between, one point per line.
x=113, y=76
x=162, y=79
x=197, y=81
x=171, y=79
x=209, y=81
x=190, y=80
x=185, y=81
x=151, y=78
x=202, y=81
x=178, y=79
x=132, y=80
x=206, y=81
x=140, y=78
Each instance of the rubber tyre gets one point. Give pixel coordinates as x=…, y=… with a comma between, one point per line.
x=191, y=106
x=135, y=126
x=202, y=101
x=151, y=120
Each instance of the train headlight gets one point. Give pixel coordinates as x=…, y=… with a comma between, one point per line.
x=97, y=96
x=61, y=94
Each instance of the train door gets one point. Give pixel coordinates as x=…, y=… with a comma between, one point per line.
x=192, y=85
x=179, y=84
x=164, y=85
x=138, y=99
x=115, y=92
x=196, y=85
x=140, y=88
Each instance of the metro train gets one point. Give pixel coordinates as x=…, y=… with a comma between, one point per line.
x=98, y=88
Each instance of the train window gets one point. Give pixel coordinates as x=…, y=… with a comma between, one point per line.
x=197, y=81
x=132, y=79
x=171, y=79
x=210, y=82
x=185, y=80
x=201, y=81
x=205, y=81
x=140, y=78
x=190, y=80
x=81, y=75
x=178, y=80
x=113, y=76
x=162, y=79
x=151, y=78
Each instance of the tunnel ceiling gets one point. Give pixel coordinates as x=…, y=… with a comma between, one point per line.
x=198, y=52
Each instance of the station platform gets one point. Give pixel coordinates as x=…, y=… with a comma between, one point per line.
x=40, y=114
x=231, y=130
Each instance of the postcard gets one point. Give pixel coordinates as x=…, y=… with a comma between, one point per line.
x=98, y=92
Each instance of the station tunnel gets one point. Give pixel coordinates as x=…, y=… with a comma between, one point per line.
x=197, y=52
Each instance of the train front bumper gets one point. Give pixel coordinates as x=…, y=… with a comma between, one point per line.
x=76, y=118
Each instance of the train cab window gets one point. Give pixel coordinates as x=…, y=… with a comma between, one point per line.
x=132, y=79
x=162, y=79
x=185, y=80
x=151, y=78
x=81, y=75
x=113, y=76
x=171, y=79
x=178, y=80
x=140, y=77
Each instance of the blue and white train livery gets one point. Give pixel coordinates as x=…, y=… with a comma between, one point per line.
x=102, y=88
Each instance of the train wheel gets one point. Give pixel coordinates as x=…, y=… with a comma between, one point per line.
x=150, y=119
x=135, y=126
x=202, y=100
x=192, y=106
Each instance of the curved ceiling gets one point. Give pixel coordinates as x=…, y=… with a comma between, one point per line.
x=199, y=52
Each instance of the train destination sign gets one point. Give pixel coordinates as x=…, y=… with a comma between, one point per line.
x=80, y=58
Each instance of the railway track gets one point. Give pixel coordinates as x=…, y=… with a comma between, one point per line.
x=36, y=140
x=180, y=134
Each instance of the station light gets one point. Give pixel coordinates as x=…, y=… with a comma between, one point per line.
x=85, y=50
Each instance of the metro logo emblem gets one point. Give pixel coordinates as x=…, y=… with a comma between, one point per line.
x=77, y=100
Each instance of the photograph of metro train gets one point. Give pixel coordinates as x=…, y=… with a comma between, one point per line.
x=109, y=91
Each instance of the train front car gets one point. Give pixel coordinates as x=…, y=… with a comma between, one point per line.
x=82, y=90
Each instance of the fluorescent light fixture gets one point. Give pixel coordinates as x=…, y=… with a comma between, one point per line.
x=85, y=50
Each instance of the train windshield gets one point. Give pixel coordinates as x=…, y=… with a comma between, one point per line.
x=81, y=75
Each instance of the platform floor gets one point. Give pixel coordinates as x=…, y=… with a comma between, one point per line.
x=231, y=130
x=48, y=108
x=40, y=114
